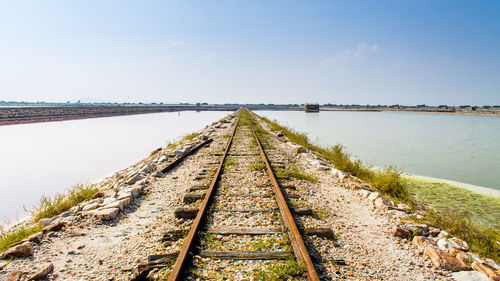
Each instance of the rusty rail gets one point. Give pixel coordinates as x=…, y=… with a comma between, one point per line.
x=293, y=232
x=183, y=257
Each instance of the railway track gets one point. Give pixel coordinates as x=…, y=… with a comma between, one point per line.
x=243, y=227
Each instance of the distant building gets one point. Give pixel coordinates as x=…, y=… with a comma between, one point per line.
x=311, y=107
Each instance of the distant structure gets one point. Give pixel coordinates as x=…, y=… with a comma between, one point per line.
x=311, y=107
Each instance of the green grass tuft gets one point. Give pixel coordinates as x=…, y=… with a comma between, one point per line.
x=288, y=270
x=257, y=166
x=458, y=223
x=52, y=206
x=229, y=161
x=294, y=173
x=10, y=238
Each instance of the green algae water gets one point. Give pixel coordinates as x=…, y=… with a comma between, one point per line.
x=460, y=148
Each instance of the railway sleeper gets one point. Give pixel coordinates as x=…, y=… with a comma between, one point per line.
x=193, y=197
x=323, y=232
x=198, y=187
x=240, y=255
x=189, y=213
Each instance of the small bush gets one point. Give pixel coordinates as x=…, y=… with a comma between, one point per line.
x=52, y=206
x=11, y=238
x=481, y=240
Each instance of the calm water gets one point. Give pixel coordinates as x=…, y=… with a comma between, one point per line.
x=460, y=148
x=45, y=158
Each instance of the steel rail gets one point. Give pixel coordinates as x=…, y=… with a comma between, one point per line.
x=177, y=272
x=293, y=231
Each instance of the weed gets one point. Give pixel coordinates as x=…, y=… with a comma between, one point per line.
x=257, y=166
x=52, y=206
x=229, y=161
x=191, y=136
x=295, y=173
x=288, y=270
x=457, y=223
x=10, y=238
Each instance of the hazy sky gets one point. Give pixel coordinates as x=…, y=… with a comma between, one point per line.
x=365, y=52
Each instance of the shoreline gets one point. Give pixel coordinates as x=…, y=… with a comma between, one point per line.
x=487, y=191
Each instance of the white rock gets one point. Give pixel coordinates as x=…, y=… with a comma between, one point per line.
x=462, y=244
x=107, y=214
x=69, y=220
x=446, y=244
x=382, y=204
x=125, y=202
x=45, y=222
x=397, y=213
x=363, y=193
x=493, y=264
x=469, y=276
x=133, y=179
x=162, y=158
x=373, y=196
x=111, y=193
x=125, y=194
x=91, y=206
x=158, y=174
x=403, y=207
x=116, y=204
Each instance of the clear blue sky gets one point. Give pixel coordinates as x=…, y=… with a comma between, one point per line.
x=365, y=52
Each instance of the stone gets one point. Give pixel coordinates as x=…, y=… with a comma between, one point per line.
x=465, y=258
x=443, y=260
x=125, y=201
x=469, y=276
x=162, y=158
x=91, y=207
x=116, y=204
x=403, y=207
x=36, y=238
x=111, y=193
x=462, y=244
x=323, y=167
x=491, y=263
x=420, y=242
x=69, y=220
x=373, y=196
x=133, y=179
x=447, y=244
x=400, y=231
x=178, y=152
x=443, y=234
x=299, y=149
x=43, y=273
x=18, y=251
x=55, y=226
x=364, y=193
x=125, y=194
x=434, y=231
x=45, y=222
x=383, y=204
x=99, y=194
x=158, y=174
x=485, y=269
x=107, y=214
